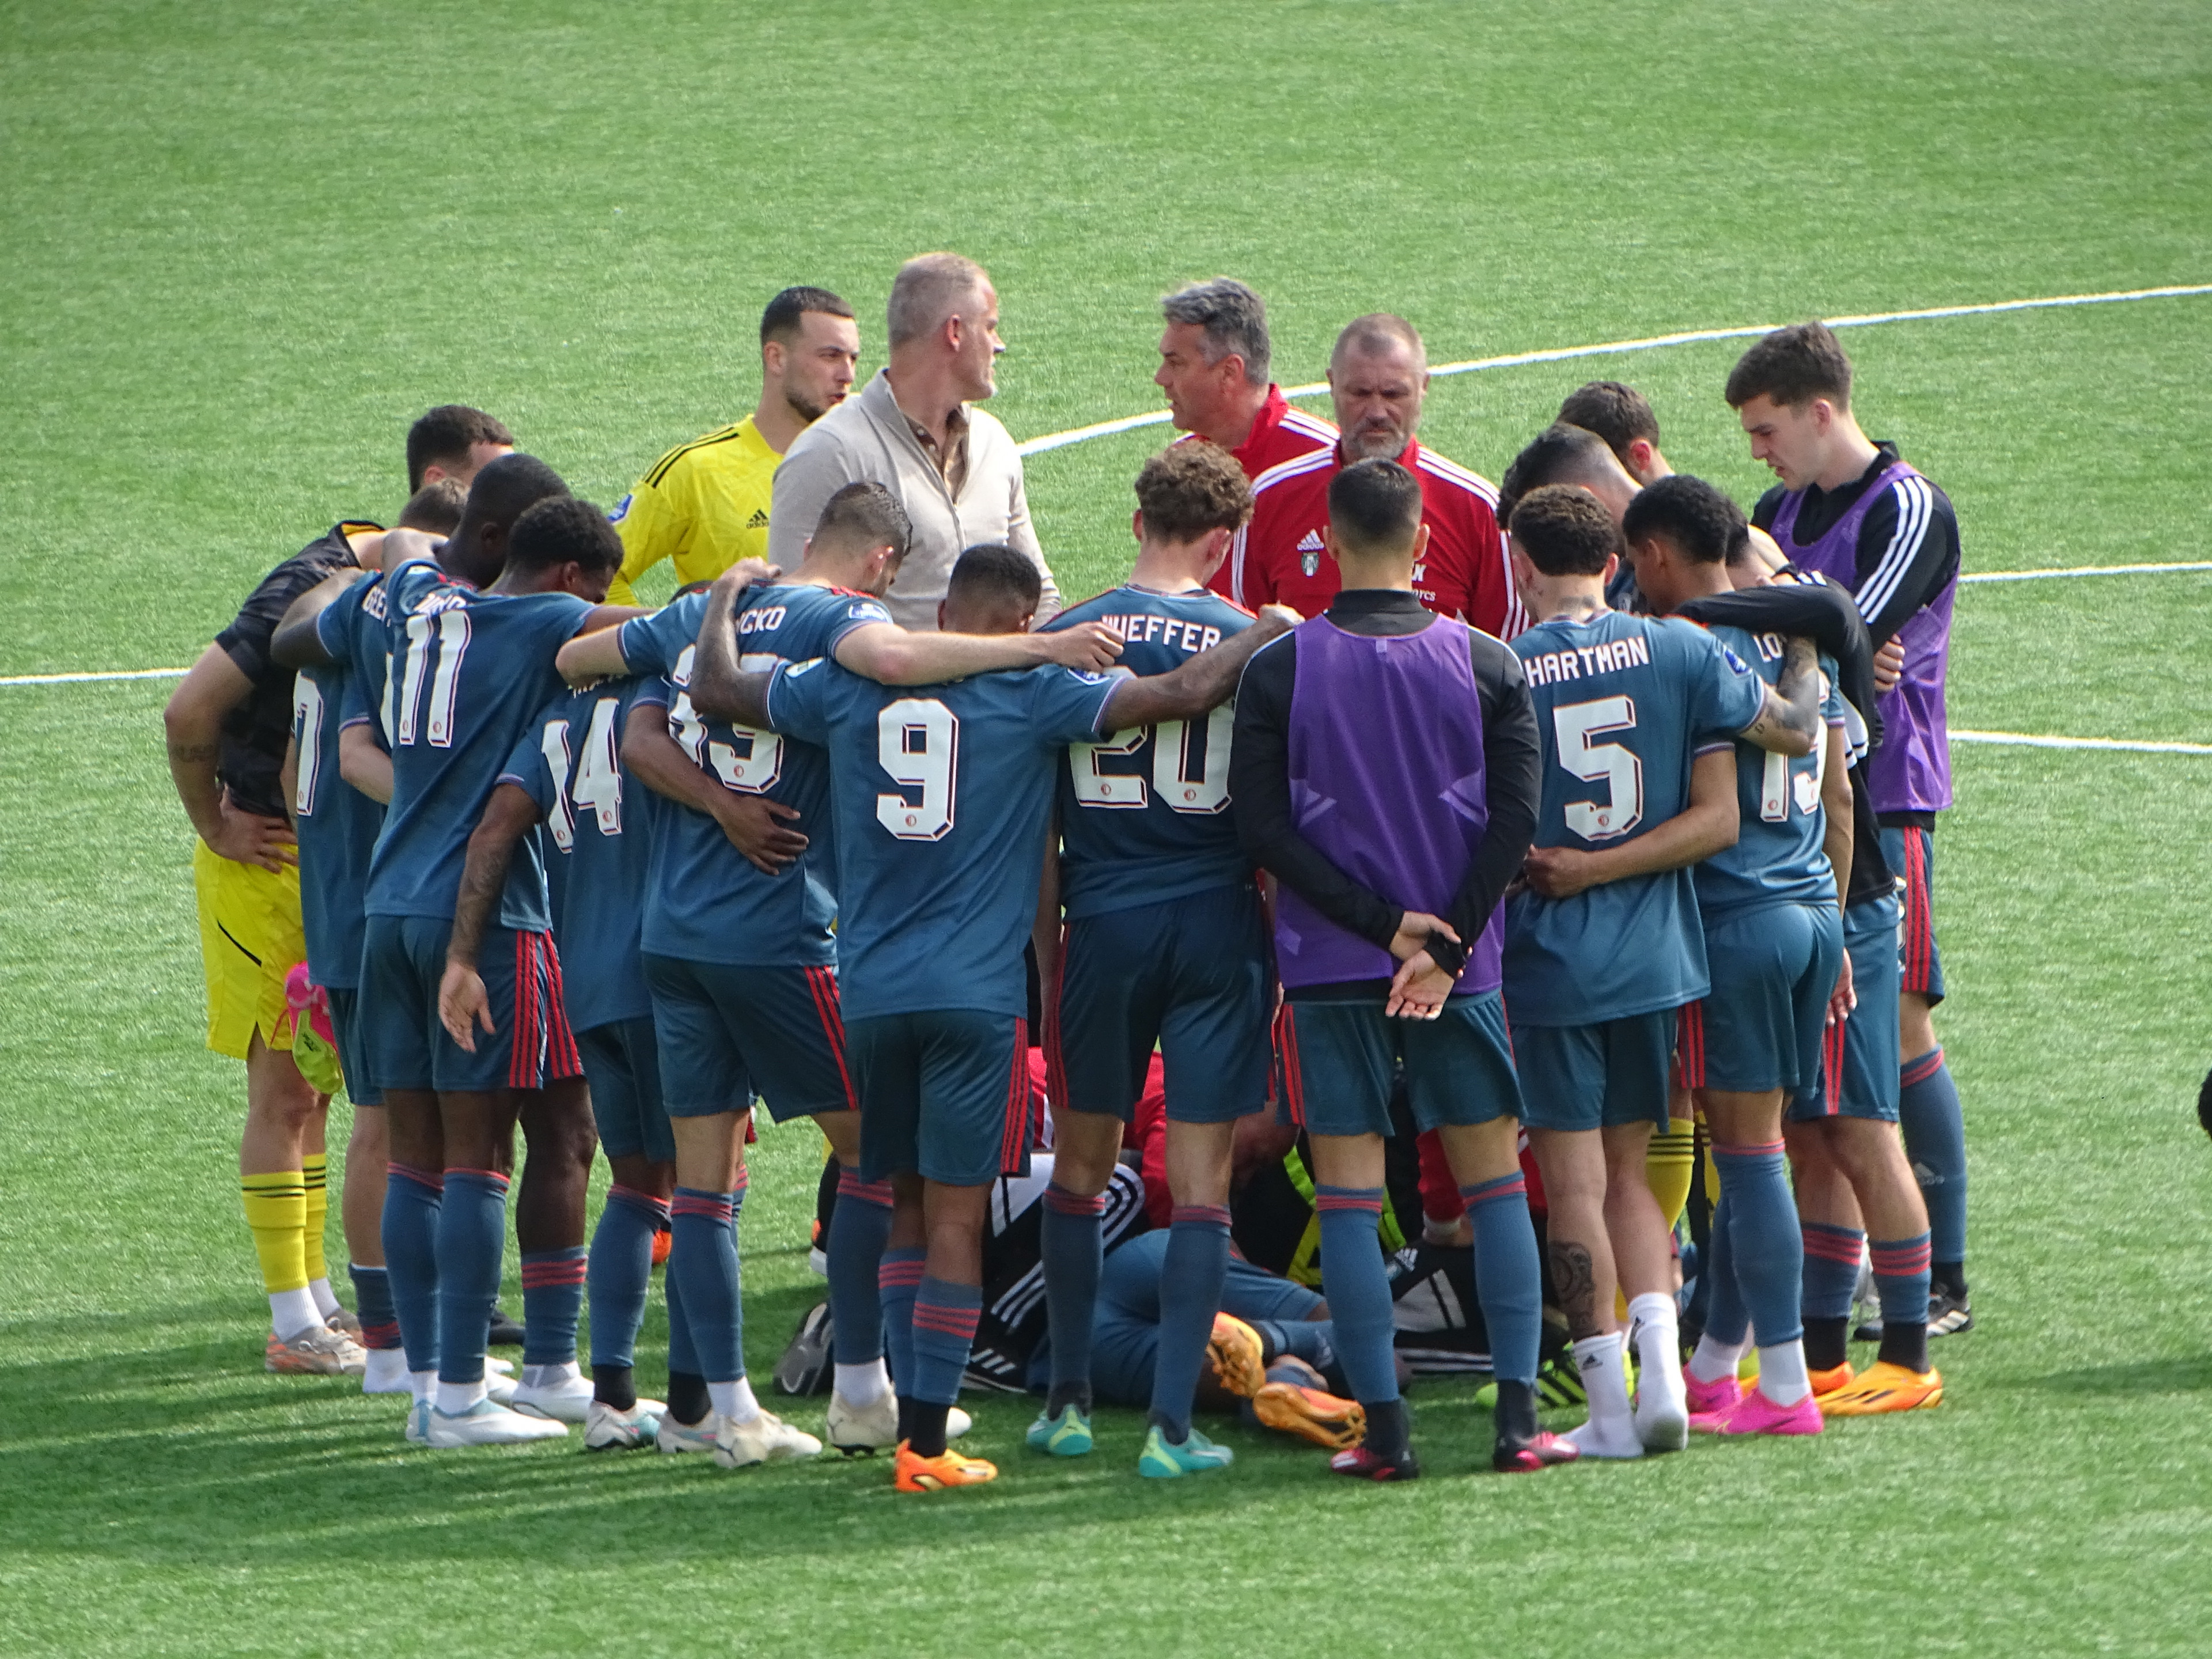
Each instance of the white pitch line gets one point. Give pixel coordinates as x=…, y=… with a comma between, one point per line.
x=2034, y=740
x=1694, y=337
x=2083, y=570
x=73, y=679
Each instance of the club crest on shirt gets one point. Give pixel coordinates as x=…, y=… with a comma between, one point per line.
x=1310, y=552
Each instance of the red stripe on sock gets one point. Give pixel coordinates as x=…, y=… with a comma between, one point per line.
x=950, y=1321
x=537, y=1274
x=1902, y=1259
x=431, y=1178
x=1512, y=1186
x=453, y=1170
x=890, y=1275
x=1372, y=1205
x=713, y=1207
x=849, y=1185
x=643, y=1200
x=1198, y=1215
x=1832, y=1244
x=1920, y=1069
x=1066, y=1203
x=1763, y=1149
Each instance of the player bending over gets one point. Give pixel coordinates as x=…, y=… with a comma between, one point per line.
x=1603, y=946
x=939, y=796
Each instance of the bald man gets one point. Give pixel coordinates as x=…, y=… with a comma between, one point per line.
x=915, y=430
x=1378, y=375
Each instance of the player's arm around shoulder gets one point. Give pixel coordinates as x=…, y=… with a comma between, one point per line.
x=890, y=655
x=1205, y=682
x=1789, y=720
x=298, y=641
x=720, y=689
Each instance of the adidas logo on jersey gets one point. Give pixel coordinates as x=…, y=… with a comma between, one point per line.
x=758, y=521
x=1309, y=551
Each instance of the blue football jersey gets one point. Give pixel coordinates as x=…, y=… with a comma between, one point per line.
x=601, y=827
x=1624, y=705
x=1143, y=814
x=941, y=794
x=705, y=901
x=338, y=827
x=469, y=670
x=1778, y=857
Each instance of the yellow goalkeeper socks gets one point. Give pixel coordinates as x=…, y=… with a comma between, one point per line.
x=315, y=1171
x=277, y=1210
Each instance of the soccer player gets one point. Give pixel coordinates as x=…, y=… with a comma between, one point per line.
x=1213, y=366
x=705, y=504
x=1385, y=773
x=915, y=429
x=471, y=668
x=228, y=725
x=1603, y=946
x=739, y=951
x=1165, y=944
x=1851, y=509
x=940, y=795
x=1623, y=417
x=1771, y=908
x=1378, y=375
x=453, y=441
x=566, y=773
x=1851, y=1175
x=337, y=826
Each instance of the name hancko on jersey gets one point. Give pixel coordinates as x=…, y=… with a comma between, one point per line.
x=1582, y=662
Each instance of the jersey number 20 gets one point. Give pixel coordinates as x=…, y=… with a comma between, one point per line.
x=1201, y=796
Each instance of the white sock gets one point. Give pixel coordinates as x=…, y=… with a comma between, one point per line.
x=326, y=1300
x=1611, y=1430
x=735, y=1400
x=424, y=1385
x=293, y=1312
x=550, y=1376
x=455, y=1398
x=386, y=1372
x=863, y=1385
x=1654, y=1329
x=1782, y=1377
x=1714, y=1360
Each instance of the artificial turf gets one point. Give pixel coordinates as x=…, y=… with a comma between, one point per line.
x=246, y=244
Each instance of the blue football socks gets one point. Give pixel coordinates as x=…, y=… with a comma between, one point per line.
x=1935, y=1141
x=858, y=1227
x=471, y=1234
x=1764, y=1247
x=1193, y=1271
x=1358, y=1289
x=1508, y=1276
x=412, y=1200
x=703, y=1260
x=552, y=1304
x=620, y=1271
x=1070, y=1243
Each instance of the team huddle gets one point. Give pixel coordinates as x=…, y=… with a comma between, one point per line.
x=1541, y=857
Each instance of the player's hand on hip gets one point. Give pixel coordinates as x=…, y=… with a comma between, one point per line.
x=463, y=1005
x=1088, y=645
x=1412, y=939
x=760, y=829
x=1888, y=666
x=1419, y=988
x=1846, y=997
x=248, y=838
x=1559, y=872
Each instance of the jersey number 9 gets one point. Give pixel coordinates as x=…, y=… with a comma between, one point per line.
x=918, y=744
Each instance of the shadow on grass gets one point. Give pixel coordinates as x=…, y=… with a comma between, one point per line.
x=2139, y=1376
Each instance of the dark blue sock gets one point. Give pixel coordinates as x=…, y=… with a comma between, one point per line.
x=704, y=1260
x=945, y=1318
x=1072, y=1253
x=620, y=1270
x=372, y=1299
x=896, y=1282
x=1192, y=1272
x=1900, y=1278
x=412, y=1200
x=1312, y=1340
x=1728, y=1321
x=683, y=1352
x=1832, y=1270
x=552, y=1303
x=1764, y=1246
x=1935, y=1140
x=1508, y=1275
x=859, y=1227
x=1358, y=1289
x=471, y=1234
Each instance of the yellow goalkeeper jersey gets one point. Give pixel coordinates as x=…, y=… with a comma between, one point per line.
x=703, y=504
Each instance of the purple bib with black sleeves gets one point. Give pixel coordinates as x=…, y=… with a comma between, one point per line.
x=1912, y=770
x=1387, y=779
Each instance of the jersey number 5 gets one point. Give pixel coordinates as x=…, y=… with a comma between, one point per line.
x=918, y=744
x=1201, y=796
x=1609, y=763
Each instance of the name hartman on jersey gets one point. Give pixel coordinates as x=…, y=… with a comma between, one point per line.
x=1582, y=662
x=1141, y=628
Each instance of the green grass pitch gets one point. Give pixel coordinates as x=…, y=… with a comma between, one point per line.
x=245, y=245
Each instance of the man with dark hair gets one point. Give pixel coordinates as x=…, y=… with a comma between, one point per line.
x=1637, y=718
x=1164, y=945
x=738, y=952
x=1770, y=906
x=1385, y=773
x=453, y=441
x=915, y=429
x=1378, y=375
x=471, y=668
x=705, y=504
x=1623, y=417
x=1213, y=366
x=940, y=795
x=1851, y=509
x=1563, y=453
